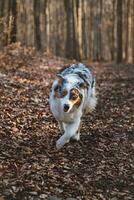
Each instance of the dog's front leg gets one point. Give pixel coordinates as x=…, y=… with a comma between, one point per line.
x=61, y=126
x=77, y=134
x=70, y=131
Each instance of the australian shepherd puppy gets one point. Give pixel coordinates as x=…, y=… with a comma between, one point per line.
x=72, y=95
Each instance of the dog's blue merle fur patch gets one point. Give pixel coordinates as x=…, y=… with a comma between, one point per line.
x=82, y=71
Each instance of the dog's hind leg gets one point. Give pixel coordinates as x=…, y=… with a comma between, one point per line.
x=70, y=131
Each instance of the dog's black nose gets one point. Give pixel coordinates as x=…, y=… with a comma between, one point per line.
x=66, y=107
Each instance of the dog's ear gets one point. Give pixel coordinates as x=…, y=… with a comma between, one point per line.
x=60, y=78
x=93, y=83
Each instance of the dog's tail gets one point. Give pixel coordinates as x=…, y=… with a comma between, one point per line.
x=91, y=99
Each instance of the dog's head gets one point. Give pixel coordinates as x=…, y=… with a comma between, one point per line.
x=69, y=95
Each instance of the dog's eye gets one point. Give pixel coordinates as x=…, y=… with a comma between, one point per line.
x=57, y=87
x=64, y=93
x=74, y=94
x=74, y=97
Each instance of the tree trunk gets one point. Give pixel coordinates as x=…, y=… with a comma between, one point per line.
x=1, y=23
x=76, y=47
x=14, y=16
x=133, y=33
x=30, y=34
x=37, y=24
x=21, y=22
x=119, y=31
x=127, y=29
x=69, y=29
x=79, y=27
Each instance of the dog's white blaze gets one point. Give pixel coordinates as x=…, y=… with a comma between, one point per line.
x=65, y=99
x=72, y=78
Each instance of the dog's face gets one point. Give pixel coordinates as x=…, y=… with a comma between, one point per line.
x=70, y=97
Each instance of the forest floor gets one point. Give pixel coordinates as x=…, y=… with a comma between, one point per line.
x=98, y=167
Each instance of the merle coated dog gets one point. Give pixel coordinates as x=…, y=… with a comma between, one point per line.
x=72, y=95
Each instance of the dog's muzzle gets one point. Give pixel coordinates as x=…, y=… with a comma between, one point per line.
x=66, y=107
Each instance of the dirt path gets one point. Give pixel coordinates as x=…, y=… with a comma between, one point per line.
x=98, y=167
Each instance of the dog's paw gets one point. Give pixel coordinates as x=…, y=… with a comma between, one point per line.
x=59, y=145
x=76, y=137
x=61, y=142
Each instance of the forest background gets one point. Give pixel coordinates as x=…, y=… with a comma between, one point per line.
x=93, y=30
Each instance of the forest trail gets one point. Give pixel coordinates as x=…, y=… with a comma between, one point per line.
x=99, y=167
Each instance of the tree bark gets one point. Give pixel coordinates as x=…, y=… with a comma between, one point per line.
x=13, y=27
x=69, y=29
x=133, y=33
x=119, y=31
x=37, y=24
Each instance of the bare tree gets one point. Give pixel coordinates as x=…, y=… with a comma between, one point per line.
x=119, y=31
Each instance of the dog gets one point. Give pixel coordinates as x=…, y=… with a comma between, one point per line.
x=72, y=95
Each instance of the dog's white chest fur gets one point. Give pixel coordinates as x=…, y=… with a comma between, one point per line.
x=72, y=94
